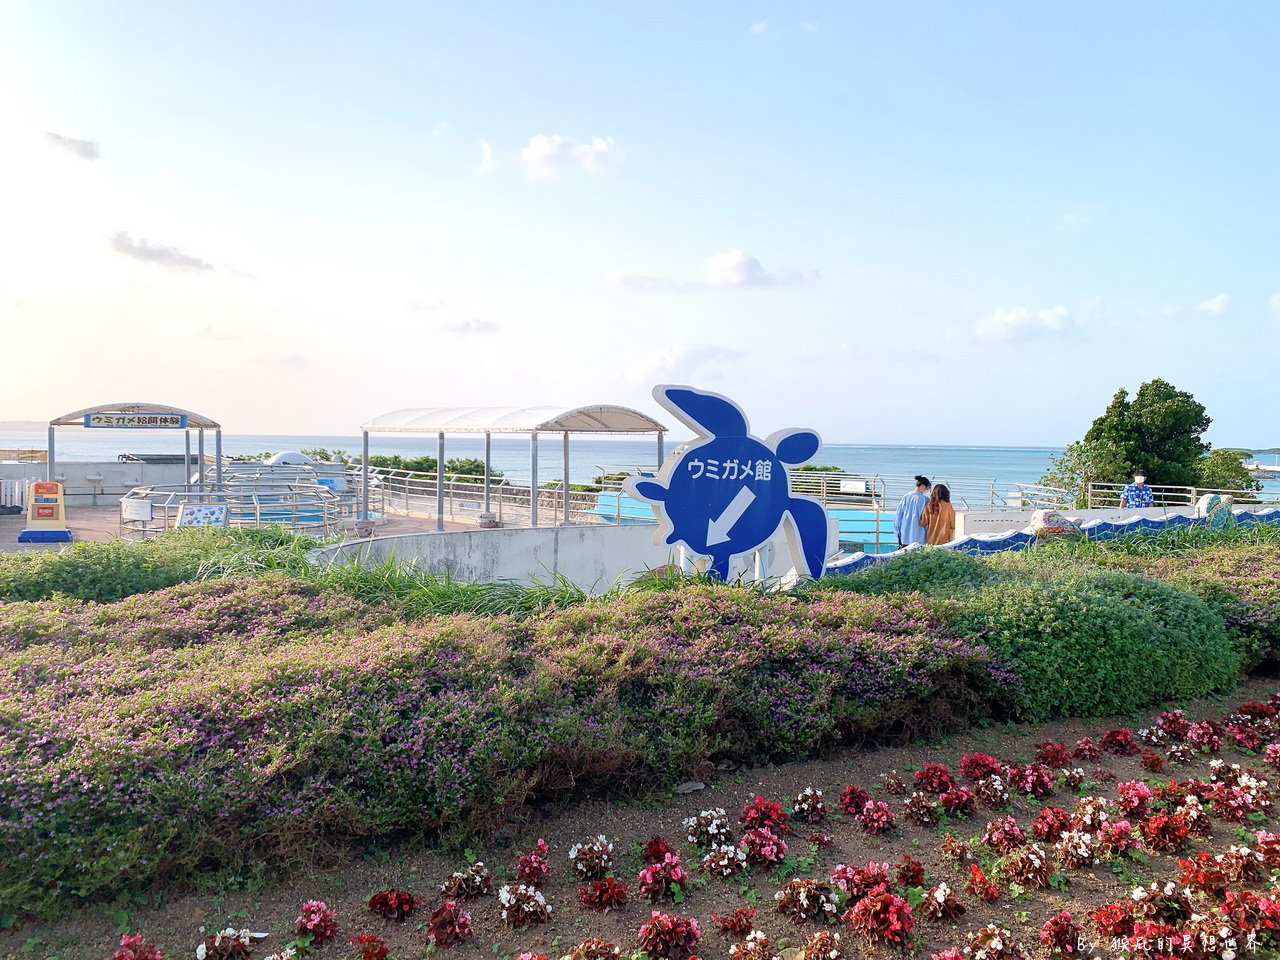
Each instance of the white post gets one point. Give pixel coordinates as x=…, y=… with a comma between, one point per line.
x=48, y=467
x=440, y=480
x=201, y=473
x=217, y=452
x=364, y=475
x=533, y=479
x=564, y=498
x=488, y=449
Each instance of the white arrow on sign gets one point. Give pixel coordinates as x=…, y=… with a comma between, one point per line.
x=718, y=529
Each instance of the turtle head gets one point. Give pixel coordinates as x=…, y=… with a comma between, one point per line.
x=795, y=447
x=708, y=413
x=647, y=490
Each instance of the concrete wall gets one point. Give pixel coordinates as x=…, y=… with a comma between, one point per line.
x=592, y=556
x=969, y=524
x=118, y=477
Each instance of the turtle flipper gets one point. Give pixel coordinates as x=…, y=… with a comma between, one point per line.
x=809, y=520
x=708, y=413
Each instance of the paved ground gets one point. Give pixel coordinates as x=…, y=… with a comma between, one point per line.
x=87, y=523
x=102, y=523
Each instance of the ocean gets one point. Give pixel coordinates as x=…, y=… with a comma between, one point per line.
x=587, y=455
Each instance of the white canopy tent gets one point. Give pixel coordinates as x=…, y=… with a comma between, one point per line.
x=143, y=416
x=599, y=418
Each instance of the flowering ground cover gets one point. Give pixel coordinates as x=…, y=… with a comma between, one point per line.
x=229, y=727
x=1118, y=861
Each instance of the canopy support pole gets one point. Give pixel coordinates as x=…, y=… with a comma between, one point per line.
x=49, y=467
x=364, y=475
x=440, y=481
x=488, y=450
x=564, y=493
x=533, y=479
x=217, y=453
x=200, y=475
x=659, y=448
x=186, y=465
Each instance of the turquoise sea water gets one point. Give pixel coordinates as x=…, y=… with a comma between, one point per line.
x=586, y=455
x=511, y=454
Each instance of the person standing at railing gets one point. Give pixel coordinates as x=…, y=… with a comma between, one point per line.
x=906, y=522
x=1136, y=494
x=939, y=517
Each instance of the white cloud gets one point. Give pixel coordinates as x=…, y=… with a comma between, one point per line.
x=441, y=129
x=1215, y=306
x=160, y=254
x=683, y=363
x=758, y=26
x=730, y=270
x=547, y=154
x=487, y=164
x=85, y=149
x=1274, y=303
x=1022, y=323
x=736, y=269
x=471, y=325
x=808, y=26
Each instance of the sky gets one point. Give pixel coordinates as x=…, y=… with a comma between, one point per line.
x=952, y=223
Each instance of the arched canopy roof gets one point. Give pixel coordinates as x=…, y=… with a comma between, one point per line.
x=601, y=418
x=77, y=417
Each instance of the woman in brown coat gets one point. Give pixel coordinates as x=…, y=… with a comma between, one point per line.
x=939, y=517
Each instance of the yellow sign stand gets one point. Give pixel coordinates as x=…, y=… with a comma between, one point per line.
x=46, y=514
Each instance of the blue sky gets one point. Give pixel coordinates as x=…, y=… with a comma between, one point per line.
x=926, y=223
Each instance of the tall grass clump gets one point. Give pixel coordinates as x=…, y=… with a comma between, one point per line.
x=110, y=571
x=936, y=573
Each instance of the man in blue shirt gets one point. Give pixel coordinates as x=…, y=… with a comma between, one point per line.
x=906, y=522
x=1136, y=494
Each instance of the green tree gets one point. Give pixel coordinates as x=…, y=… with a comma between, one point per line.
x=1085, y=462
x=1223, y=469
x=1159, y=431
x=325, y=455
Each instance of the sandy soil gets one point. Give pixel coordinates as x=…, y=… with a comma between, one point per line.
x=176, y=926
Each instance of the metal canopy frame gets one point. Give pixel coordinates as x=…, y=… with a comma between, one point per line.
x=194, y=421
x=597, y=418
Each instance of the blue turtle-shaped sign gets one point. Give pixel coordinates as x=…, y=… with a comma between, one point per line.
x=727, y=492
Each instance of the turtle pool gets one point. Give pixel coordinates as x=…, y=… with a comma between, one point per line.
x=870, y=531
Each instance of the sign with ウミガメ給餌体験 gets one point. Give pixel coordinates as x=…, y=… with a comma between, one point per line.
x=727, y=493
x=134, y=421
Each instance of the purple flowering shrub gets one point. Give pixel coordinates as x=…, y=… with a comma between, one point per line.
x=235, y=723
x=1240, y=582
x=709, y=670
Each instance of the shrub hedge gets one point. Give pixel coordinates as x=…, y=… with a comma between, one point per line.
x=1089, y=642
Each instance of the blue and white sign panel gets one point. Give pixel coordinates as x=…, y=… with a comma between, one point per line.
x=153, y=421
x=728, y=493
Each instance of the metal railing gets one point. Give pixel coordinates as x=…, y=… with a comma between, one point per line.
x=1107, y=495
x=1035, y=496
x=413, y=493
x=308, y=509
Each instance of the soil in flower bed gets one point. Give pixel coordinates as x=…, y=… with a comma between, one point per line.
x=176, y=926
